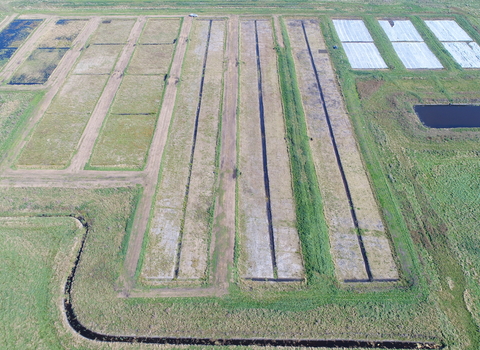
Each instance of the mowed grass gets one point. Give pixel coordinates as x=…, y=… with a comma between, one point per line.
x=34, y=255
x=124, y=142
x=56, y=135
x=38, y=67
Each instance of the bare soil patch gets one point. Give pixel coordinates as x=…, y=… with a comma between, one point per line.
x=367, y=88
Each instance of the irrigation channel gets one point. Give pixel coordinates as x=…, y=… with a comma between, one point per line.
x=92, y=335
x=339, y=163
x=192, y=153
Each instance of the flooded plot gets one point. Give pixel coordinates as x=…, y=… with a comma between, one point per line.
x=56, y=135
x=352, y=30
x=467, y=54
x=38, y=67
x=17, y=31
x=98, y=59
x=151, y=59
x=112, y=31
x=62, y=34
x=14, y=35
x=160, y=31
x=124, y=142
x=270, y=247
x=449, y=116
x=400, y=30
x=177, y=247
x=416, y=55
x=364, y=56
x=5, y=55
x=447, y=30
x=359, y=246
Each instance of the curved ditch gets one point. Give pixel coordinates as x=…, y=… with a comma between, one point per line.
x=79, y=328
x=339, y=162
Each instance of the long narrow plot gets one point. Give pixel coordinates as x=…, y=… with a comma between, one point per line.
x=457, y=42
x=270, y=247
x=179, y=232
x=409, y=45
x=125, y=138
x=56, y=136
x=358, y=44
x=359, y=246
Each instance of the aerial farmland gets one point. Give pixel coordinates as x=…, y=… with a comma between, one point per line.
x=237, y=176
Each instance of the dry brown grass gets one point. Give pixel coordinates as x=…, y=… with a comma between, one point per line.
x=112, y=31
x=138, y=95
x=62, y=35
x=151, y=59
x=160, y=31
x=124, y=142
x=98, y=59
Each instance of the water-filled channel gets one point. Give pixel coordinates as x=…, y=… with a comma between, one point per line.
x=449, y=116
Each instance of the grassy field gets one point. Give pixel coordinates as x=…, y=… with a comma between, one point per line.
x=38, y=245
x=15, y=108
x=31, y=251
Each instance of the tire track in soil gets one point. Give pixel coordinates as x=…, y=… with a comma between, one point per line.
x=339, y=161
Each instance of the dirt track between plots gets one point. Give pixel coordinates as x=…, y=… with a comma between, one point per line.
x=92, y=129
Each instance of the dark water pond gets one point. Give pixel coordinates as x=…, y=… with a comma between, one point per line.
x=449, y=116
